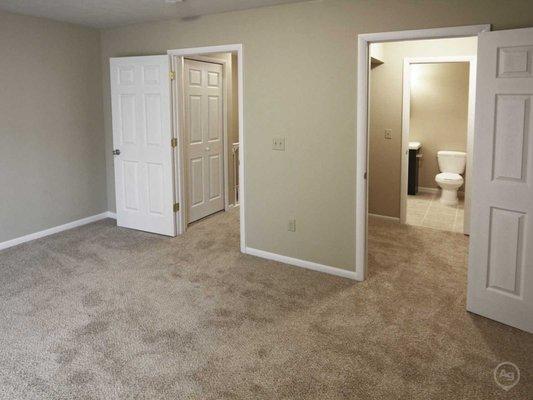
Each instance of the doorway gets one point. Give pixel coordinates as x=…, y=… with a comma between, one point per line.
x=363, y=90
x=438, y=112
x=208, y=120
x=422, y=96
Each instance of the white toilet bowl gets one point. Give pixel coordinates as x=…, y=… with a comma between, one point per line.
x=452, y=164
x=449, y=183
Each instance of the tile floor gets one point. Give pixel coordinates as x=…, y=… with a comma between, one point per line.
x=425, y=209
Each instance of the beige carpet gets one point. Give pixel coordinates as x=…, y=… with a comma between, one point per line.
x=106, y=313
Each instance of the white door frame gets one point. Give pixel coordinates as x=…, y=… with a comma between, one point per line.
x=406, y=116
x=181, y=220
x=363, y=67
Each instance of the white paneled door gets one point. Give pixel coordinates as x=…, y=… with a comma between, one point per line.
x=143, y=155
x=500, y=276
x=204, y=138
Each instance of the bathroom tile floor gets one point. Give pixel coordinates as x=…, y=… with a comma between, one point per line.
x=425, y=209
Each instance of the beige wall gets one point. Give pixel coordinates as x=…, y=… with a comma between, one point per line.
x=386, y=81
x=52, y=162
x=300, y=82
x=439, y=113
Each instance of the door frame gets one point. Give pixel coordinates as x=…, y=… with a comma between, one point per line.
x=406, y=115
x=179, y=54
x=180, y=131
x=362, y=101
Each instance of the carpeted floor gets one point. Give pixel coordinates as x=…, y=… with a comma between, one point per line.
x=106, y=313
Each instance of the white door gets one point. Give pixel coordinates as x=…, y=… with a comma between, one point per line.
x=144, y=188
x=500, y=275
x=204, y=138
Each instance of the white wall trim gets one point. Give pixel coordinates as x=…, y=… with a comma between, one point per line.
x=236, y=48
x=363, y=66
x=394, y=219
x=301, y=263
x=55, y=229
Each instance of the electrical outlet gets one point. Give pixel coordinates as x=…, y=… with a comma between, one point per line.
x=292, y=225
x=388, y=133
x=278, y=143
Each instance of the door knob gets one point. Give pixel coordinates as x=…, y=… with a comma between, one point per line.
x=207, y=148
x=116, y=152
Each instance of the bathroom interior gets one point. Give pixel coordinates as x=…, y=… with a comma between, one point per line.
x=419, y=124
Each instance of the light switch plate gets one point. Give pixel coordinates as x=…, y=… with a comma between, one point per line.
x=278, y=143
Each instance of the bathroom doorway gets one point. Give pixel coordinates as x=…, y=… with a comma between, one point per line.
x=437, y=135
x=421, y=101
x=495, y=256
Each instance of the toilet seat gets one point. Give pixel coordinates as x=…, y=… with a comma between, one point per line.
x=449, y=177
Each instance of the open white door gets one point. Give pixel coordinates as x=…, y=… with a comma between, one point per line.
x=142, y=134
x=500, y=275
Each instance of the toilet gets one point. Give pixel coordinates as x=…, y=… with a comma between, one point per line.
x=451, y=164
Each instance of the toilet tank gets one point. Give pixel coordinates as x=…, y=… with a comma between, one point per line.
x=451, y=161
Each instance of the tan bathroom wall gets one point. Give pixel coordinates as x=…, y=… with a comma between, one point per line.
x=386, y=81
x=439, y=113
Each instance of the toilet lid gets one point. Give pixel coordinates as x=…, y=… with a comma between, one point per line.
x=449, y=176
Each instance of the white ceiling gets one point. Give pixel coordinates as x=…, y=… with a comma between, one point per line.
x=110, y=13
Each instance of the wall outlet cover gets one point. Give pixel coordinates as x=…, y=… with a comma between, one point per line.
x=278, y=143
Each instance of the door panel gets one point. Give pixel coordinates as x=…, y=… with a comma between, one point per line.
x=127, y=119
x=204, y=137
x=152, y=110
x=144, y=184
x=215, y=167
x=195, y=118
x=130, y=185
x=500, y=276
x=197, y=181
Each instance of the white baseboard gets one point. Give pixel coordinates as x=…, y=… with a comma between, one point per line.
x=436, y=190
x=231, y=206
x=428, y=190
x=111, y=215
x=301, y=263
x=395, y=219
x=55, y=229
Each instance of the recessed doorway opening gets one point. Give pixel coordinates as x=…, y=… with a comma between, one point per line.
x=422, y=95
x=208, y=121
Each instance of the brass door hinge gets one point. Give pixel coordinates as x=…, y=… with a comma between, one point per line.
x=172, y=75
x=174, y=142
x=176, y=207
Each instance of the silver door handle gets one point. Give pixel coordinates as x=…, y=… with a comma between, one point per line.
x=207, y=148
x=116, y=152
